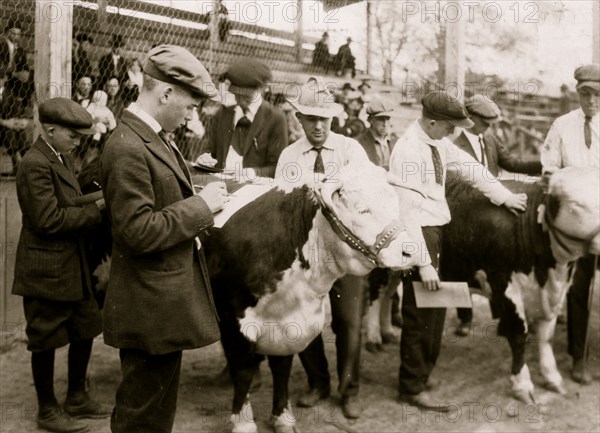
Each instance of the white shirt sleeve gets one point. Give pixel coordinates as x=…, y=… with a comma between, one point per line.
x=474, y=173
x=551, y=152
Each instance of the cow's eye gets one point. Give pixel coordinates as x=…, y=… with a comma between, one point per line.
x=361, y=211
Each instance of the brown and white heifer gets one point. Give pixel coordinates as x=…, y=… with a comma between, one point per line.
x=528, y=259
x=273, y=263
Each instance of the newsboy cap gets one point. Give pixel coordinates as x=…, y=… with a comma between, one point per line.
x=176, y=65
x=315, y=99
x=379, y=108
x=247, y=74
x=440, y=105
x=64, y=112
x=588, y=76
x=483, y=107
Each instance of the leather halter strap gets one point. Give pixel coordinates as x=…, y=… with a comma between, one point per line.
x=389, y=233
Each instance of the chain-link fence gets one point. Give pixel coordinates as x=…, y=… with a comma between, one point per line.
x=111, y=38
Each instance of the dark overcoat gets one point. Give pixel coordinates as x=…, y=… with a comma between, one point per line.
x=51, y=261
x=158, y=298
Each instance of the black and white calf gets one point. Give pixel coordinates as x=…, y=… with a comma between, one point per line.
x=528, y=259
x=275, y=260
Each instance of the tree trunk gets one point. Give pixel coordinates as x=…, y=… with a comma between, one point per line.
x=387, y=72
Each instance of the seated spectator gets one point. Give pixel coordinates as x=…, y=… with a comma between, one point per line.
x=104, y=120
x=115, y=101
x=321, y=56
x=83, y=90
x=135, y=74
x=16, y=114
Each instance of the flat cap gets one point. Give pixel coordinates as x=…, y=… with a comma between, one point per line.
x=248, y=73
x=588, y=76
x=379, y=108
x=176, y=65
x=315, y=99
x=483, y=107
x=64, y=112
x=440, y=105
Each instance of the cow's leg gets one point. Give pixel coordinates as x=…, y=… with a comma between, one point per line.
x=513, y=325
x=378, y=280
x=283, y=417
x=394, y=286
x=243, y=363
x=553, y=379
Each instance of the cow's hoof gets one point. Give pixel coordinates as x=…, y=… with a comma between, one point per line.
x=286, y=422
x=525, y=396
x=373, y=347
x=390, y=338
x=243, y=422
x=554, y=387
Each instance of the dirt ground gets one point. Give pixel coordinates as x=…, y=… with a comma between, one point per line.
x=474, y=371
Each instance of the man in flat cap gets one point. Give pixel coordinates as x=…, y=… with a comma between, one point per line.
x=376, y=139
x=158, y=301
x=479, y=142
x=573, y=141
x=421, y=157
x=320, y=153
x=249, y=136
x=51, y=271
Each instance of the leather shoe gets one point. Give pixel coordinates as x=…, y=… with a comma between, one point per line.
x=312, y=397
x=424, y=401
x=432, y=384
x=580, y=373
x=55, y=420
x=89, y=409
x=351, y=407
x=462, y=330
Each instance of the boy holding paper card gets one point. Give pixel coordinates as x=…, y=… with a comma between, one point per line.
x=420, y=158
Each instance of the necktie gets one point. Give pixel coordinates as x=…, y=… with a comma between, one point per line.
x=318, y=167
x=587, y=131
x=437, y=164
x=482, y=147
x=171, y=147
x=239, y=134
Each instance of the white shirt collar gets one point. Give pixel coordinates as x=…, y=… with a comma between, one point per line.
x=422, y=135
x=53, y=150
x=139, y=112
x=238, y=113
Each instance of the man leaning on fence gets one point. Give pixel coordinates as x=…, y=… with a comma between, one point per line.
x=573, y=141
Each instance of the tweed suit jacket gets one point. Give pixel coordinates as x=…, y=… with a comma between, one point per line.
x=266, y=139
x=367, y=141
x=158, y=298
x=498, y=156
x=51, y=262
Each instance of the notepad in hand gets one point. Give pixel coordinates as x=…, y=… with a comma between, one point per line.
x=450, y=294
x=82, y=200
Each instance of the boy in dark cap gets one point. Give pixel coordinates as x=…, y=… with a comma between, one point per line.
x=479, y=142
x=421, y=157
x=51, y=271
x=574, y=141
x=158, y=301
x=251, y=134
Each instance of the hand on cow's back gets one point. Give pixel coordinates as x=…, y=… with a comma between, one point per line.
x=516, y=203
x=215, y=195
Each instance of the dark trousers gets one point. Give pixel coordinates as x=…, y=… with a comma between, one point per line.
x=465, y=314
x=147, y=396
x=348, y=300
x=422, y=328
x=577, y=306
